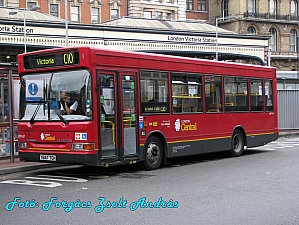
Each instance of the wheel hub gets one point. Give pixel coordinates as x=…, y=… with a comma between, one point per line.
x=153, y=153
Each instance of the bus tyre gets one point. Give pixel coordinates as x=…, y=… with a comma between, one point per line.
x=153, y=154
x=237, y=147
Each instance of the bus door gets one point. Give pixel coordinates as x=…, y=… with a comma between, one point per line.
x=117, y=115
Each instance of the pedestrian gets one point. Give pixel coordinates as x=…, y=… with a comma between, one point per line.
x=7, y=136
x=1, y=109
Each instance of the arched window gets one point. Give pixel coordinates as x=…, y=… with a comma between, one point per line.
x=273, y=7
x=293, y=41
x=294, y=8
x=251, y=6
x=251, y=30
x=224, y=6
x=273, y=39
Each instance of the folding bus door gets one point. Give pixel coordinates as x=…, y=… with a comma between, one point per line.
x=117, y=107
x=128, y=112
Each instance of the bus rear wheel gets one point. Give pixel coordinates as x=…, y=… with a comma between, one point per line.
x=153, y=154
x=237, y=143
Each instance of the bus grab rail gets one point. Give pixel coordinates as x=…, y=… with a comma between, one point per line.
x=112, y=128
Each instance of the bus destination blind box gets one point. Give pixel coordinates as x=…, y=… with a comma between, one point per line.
x=51, y=60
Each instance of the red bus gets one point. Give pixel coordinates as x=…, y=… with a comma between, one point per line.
x=101, y=107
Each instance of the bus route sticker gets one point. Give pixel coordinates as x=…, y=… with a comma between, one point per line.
x=80, y=136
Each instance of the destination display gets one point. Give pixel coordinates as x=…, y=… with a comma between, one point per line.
x=51, y=60
x=154, y=107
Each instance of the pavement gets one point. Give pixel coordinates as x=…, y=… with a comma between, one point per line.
x=10, y=165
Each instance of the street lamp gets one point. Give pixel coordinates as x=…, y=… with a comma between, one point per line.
x=269, y=55
x=220, y=18
x=66, y=23
x=34, y=8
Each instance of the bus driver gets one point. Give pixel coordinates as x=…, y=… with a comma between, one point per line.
x=67, y=106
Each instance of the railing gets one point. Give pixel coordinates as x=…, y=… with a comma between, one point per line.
x=284, y=53
x=2, y=125
x=6, y=124
x=271, y=16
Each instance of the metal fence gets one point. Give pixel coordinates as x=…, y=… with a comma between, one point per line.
x=288, y=109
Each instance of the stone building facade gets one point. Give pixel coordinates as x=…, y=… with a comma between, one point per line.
x=98, y=11
x=275, y=18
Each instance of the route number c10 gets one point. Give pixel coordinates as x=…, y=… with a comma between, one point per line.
x=68, y=58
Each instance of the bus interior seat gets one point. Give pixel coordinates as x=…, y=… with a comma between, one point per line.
x=213, y=110
x=229, y=104
x=215, y=107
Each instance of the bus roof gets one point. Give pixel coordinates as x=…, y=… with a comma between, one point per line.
x=106, y=50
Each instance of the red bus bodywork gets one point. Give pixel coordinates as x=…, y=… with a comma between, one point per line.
x=198, y=133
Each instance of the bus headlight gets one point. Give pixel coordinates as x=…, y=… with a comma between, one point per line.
x=83, y=146
x=23, y=145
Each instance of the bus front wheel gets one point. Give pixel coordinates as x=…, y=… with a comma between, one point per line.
x=153, y=153
x=237, y=147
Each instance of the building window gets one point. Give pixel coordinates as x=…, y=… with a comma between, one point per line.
x=189, y=4
x=75, y=13
x=273, y=39
x=251, y=6
x=147, y=14
x=94, y=15
x=168, y=16
x=168, y=1
x=159, y=15
x=273, y=7
x=294, y=8
x=30, y=5
x=293, y=41
x=1, y=3
x=201, y=5
x=251, y=30
x=54, y=10
x=224, y=8
x=114, y=14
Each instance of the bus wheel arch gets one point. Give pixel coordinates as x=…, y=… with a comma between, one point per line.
x=238, y=142
x=154, y=152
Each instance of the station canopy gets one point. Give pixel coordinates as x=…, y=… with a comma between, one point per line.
x=29, y=15
x=126, y=22
x=192, y=25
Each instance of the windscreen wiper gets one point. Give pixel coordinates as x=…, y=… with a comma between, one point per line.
x=35, y=112
x=45, y=97
x=60, y=116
